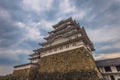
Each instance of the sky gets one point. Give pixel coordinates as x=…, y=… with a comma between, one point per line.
x=24, y=23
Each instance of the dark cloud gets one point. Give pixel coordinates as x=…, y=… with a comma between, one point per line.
x=31, y=43
x=9, y=5
x=104, y=12
x=9, y=32
x=6, y=60
x=13, y=7
x=108, y=51
x=109, y=47
x=23, y=58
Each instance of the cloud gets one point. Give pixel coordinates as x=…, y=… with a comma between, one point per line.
x=8, y=30
x=16, y=51
x=32, y=33
x=37, y=5
x=67, y=8
x=4, y=14
x=106, y=39
x=111, y=46
x=104, y=34
x=34, y=30
x=12, y=56
x=106, y=56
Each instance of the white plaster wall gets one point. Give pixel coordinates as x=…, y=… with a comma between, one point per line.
x=23, y=67
x=63, y=39
x=113, y=68
x=59, y=40
x=35, y=55
x=78, y=44
x=34, y=60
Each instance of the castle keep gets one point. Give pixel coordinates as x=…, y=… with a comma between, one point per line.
x=66, y=55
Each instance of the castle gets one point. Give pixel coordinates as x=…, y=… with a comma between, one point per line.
x=66, y=55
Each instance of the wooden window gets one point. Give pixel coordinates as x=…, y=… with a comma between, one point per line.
x=118, y=67
x=112, y=77
x=61, y=48
x=107, y=69
x=55, y=49
x=50, y=51
x=76, y=36
x=118, y=78
x=69, y=38
x=67, y=46
x=74, y=44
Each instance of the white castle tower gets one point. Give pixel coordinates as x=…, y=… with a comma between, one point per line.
x=67, y=35
x=67, y=51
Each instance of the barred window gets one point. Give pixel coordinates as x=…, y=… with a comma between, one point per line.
x=61, y=48
x=118, y=68
x=55, y=49
x=49, y=51
x=74, y=44
x=67, y=46
x=107, y=69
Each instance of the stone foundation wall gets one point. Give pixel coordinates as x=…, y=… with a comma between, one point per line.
x=21, y=74
x=71, y=64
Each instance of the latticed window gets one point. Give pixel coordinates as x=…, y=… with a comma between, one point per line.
x=67, y=46
x=112, y=77
x=45, y=52
x=69, y=38
x=61, y=48
x=107, y=69
x=118, y=68
x=74, y=44
x=55, y=49
x=76, y=36
x=50, y=50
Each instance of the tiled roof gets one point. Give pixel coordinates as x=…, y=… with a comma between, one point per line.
x=108, y=62
x=25, y=64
